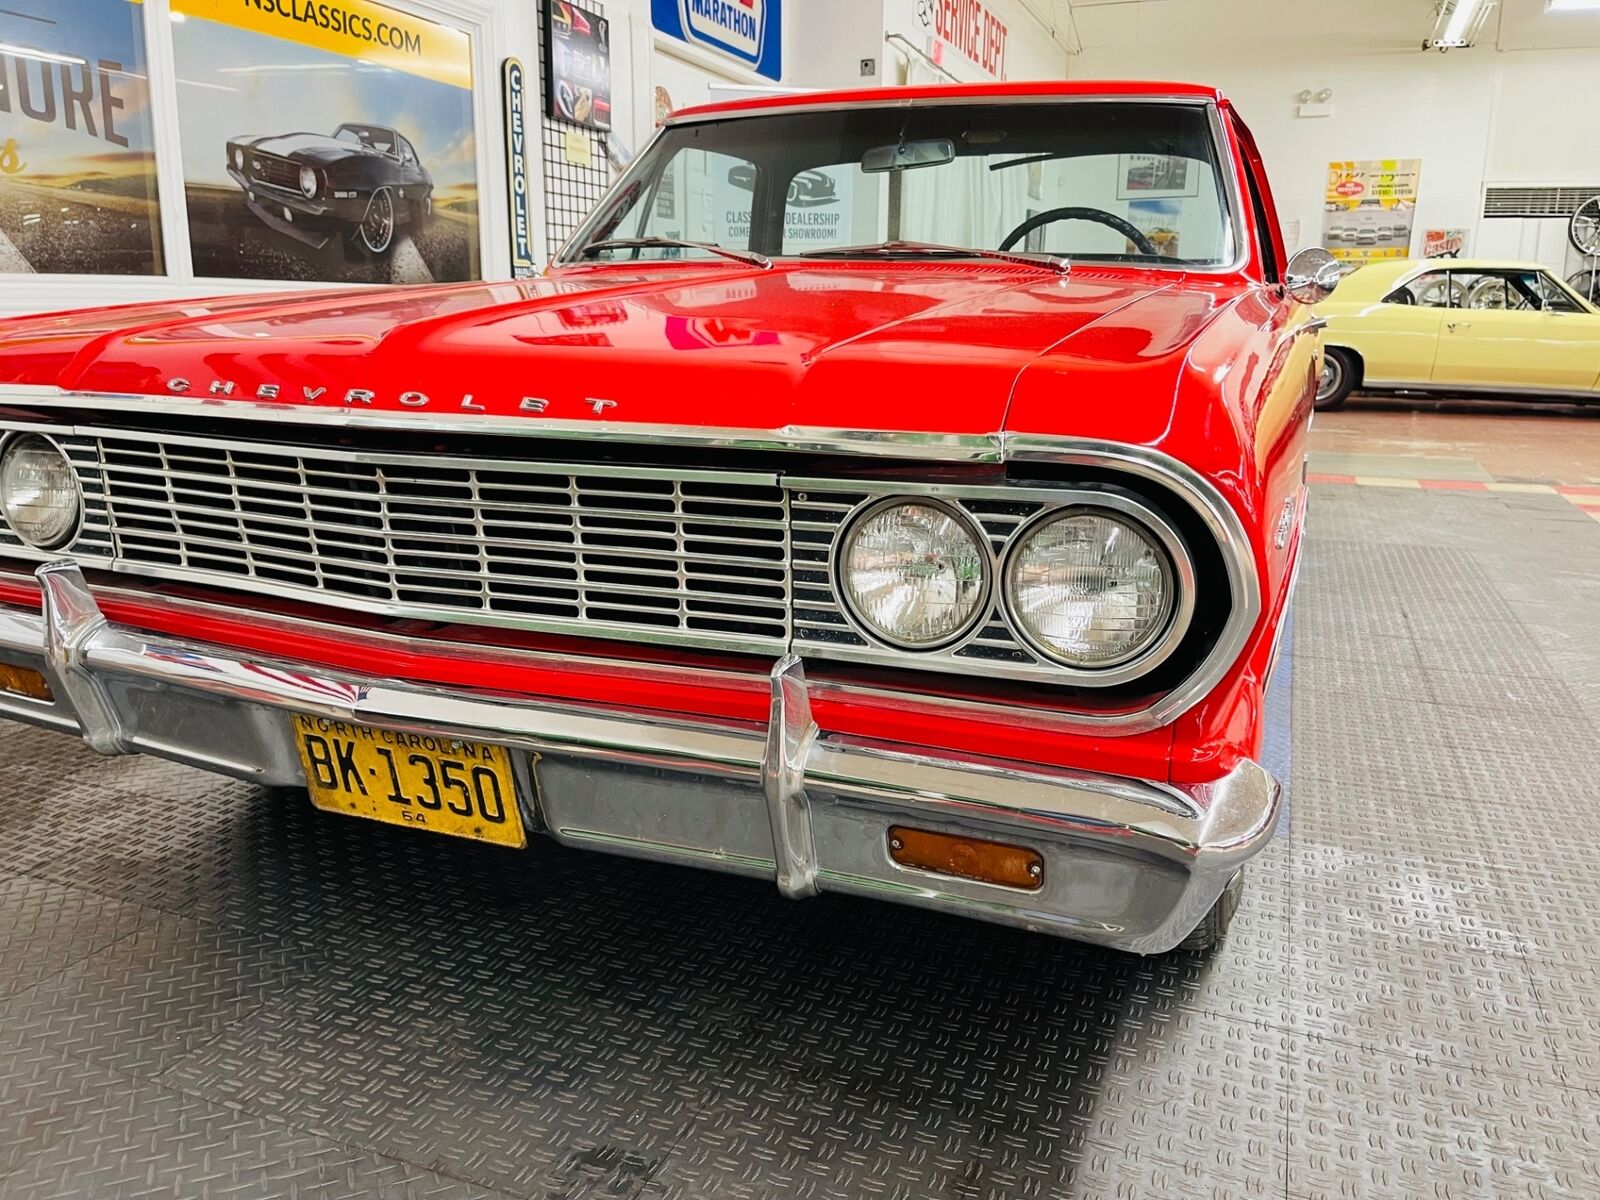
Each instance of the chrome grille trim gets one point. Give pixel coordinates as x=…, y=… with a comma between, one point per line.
x=691, y=558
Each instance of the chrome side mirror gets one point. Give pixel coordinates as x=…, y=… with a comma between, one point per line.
x=1312, y=275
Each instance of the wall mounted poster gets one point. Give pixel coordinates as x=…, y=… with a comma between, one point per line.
x=326, y=142
x=1369, y=209
x=577, y=72
x=1156, y=177
x=1437, y=243
x=77, y=163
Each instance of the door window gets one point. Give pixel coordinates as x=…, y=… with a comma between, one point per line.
x=1433, y=290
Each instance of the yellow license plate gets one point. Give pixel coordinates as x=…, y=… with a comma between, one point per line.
x=439, y=784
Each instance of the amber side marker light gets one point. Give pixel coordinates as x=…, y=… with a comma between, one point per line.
x=967, y=858
x=20, y=681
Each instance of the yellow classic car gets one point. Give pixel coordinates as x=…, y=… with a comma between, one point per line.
x=1458, y=326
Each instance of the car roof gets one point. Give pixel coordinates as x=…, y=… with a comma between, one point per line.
x=1044, y=89
x=1380, y=278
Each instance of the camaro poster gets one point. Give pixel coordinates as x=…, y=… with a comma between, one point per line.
x=326, y=141
x=1369, y=209
x=77, y=161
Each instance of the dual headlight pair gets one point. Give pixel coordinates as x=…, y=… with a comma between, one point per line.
x=39, y=496
x=1086, y=587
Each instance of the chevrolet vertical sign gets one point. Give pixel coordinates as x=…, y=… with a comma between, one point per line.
x=517, y=169
x=748, y=31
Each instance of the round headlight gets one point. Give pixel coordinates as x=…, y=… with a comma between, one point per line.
x=308, y=182
x=38, y=492
x=914, y=573
x=238, y=157
x=1090, y=588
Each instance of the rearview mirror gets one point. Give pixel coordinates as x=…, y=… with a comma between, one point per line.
x=905, y=155
x=1312, y=275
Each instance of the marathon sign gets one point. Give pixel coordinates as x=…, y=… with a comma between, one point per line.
x=747, y=31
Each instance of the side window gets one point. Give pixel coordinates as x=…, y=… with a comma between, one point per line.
x=1502, y=291
x=1553, y=295
x=1433, y=290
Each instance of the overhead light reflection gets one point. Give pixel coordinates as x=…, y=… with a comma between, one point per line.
x=71, y=60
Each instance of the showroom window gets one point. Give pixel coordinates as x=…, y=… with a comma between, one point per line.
x=194, y=141
x=78, y=191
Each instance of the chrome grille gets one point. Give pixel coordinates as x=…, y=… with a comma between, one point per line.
x=695, y=558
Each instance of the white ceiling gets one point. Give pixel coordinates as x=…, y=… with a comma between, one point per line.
x=1251, y=27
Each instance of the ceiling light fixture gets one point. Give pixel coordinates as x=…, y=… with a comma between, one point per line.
x=1457, y=23
x=1572, y=6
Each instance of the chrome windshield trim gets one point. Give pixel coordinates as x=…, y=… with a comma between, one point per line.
x=1228, y=166
x=889, y=100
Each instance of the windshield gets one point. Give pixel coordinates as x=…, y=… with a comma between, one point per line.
x=1109, y=181
x=366, y=135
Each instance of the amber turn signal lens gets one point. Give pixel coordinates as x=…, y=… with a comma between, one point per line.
x=20, y=681
x=967, y=858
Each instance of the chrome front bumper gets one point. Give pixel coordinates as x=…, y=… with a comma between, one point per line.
x=1128, y=864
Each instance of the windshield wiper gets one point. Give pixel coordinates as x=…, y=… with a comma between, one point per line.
x=1045, y=262
x=646, y=243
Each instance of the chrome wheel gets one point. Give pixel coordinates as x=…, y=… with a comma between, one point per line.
x=377, y=227
x=1585, y=228
x=1332, y=377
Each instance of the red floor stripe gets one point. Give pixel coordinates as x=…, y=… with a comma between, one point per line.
x=1577, y=489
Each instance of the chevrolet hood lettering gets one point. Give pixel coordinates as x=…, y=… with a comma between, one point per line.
x=879, y=347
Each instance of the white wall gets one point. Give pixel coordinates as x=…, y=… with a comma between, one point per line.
x=1475, y=117
x=1035, y=47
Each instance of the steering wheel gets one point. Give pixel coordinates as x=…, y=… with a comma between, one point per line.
x=1098, y=215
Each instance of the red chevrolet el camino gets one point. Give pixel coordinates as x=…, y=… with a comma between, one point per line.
x=892, y=492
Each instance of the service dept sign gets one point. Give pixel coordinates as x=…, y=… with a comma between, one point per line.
x=515, y=80
x=748, y=31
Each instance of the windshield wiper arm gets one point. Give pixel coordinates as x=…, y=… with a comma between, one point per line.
x=1045, y=262
x=646, y=243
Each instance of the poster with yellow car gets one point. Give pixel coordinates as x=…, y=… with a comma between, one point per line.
x=1369, y=209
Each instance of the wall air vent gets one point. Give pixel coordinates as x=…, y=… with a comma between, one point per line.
x=1535, y=201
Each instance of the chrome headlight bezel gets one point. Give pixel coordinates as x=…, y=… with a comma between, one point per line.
x=1181, y=574
x=309, y=183
x=8, y=447
x=841, y=552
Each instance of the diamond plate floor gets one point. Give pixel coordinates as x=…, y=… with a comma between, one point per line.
x=213, y=991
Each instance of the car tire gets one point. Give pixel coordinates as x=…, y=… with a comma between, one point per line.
x=1339, y=374
x=374, y=236
x=1214, y=925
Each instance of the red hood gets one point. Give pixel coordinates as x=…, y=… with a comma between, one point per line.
x=914, y=348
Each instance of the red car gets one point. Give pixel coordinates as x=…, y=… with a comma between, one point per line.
x=930, y=545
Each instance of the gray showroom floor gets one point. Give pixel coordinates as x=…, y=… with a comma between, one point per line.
x=208, y=990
